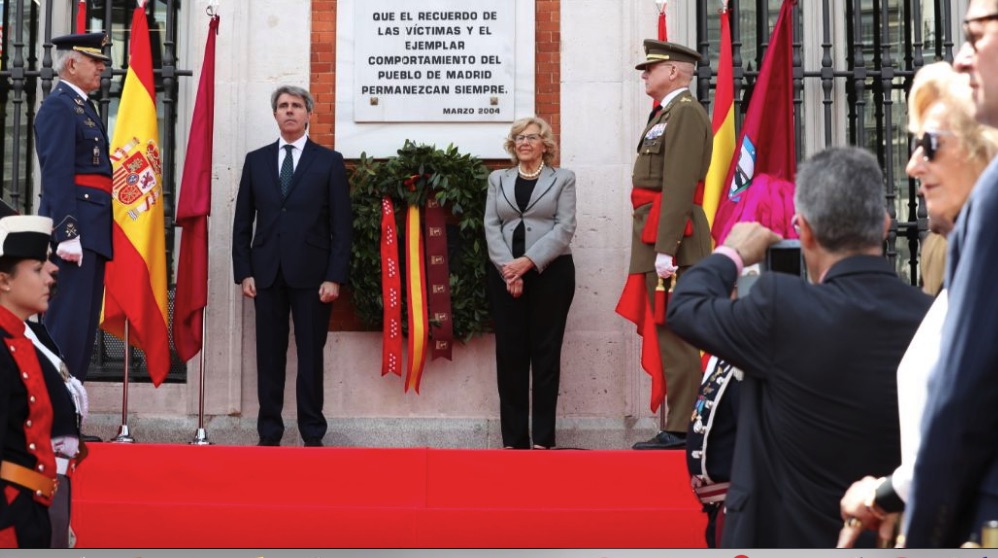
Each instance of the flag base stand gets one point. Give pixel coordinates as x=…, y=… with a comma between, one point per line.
x=200, y=438
x=123, y=436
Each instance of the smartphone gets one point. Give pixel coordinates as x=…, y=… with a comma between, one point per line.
x=784, y=257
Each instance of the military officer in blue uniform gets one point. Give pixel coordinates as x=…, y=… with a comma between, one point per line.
x=72, y=147
x=712, y=427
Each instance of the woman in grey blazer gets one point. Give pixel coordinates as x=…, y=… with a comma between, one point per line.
x=529, y=224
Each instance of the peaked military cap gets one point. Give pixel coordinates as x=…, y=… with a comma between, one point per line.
x=25, y=236
x=90, y=44
x=662, y=51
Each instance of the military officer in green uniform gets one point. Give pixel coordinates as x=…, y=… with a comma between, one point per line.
x=670, y=228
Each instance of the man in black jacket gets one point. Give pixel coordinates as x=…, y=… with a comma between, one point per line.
x=819, y=399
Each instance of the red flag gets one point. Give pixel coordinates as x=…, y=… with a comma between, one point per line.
x=767, y=140
x=193, y=209
x=663, y=31
x=135, y=280
x=81, y=16
x=636, y=308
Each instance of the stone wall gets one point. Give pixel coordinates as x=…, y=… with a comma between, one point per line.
x=586, y=87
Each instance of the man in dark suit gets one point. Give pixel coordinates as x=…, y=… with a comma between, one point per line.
x=670, y=230
x=819, y=399
x=293, y=261
x=955, y=486
x=72, y=147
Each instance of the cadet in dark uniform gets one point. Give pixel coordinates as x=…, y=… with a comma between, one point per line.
x=712, y=427
x=670, y=228
x=69, y=407
x=72, y=147
x=33, y=400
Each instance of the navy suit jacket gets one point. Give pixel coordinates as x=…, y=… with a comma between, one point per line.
x=70, y=139
x=306, y=234
x=955, y=487
x=818, y=405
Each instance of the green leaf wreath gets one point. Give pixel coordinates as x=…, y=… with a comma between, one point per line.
x=460, y=183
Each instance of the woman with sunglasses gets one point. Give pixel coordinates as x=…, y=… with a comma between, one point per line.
x=529, y=224
x=950, y=151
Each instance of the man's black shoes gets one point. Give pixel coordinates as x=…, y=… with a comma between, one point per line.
x=269, y=442
x=663, y=440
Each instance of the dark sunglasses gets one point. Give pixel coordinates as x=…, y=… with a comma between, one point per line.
x=929, y=142
x=971, y=36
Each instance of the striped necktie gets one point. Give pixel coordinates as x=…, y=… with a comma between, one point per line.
x=287, y=169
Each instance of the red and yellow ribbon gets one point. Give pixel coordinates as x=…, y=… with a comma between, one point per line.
x=416, y=292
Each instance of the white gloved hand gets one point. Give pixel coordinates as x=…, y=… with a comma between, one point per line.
x=70, y=250
x=664, y=267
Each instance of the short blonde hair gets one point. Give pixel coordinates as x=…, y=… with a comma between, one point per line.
x=940, y=83
x=547, y=136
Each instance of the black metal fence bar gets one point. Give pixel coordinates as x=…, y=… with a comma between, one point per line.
x=884, y=48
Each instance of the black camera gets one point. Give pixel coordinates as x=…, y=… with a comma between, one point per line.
x=785, y=257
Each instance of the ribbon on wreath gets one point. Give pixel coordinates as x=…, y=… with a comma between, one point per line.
x=438, y=275
x=419, y=331
x=427, y=288
x=391, y=293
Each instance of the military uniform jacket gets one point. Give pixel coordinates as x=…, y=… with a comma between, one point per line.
x=713, y=425
x=673, y=157
x=71, y=140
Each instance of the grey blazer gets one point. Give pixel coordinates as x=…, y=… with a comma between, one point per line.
x=549, y=220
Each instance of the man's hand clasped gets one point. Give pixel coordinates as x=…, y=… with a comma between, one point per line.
x=71, y=251
x=665, y=266
x=751, y=240
x=249, y=287
x=329, y=291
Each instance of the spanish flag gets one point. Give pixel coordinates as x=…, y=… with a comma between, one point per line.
x=723, y=123
x=135, y=281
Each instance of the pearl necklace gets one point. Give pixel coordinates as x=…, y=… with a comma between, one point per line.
x=531, y=175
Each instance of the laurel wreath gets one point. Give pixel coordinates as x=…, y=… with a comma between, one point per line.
x=459, y=182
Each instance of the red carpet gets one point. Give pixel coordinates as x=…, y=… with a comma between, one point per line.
x=166, y=496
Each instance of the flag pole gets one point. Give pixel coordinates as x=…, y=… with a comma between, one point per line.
x=663, y=35
x=124, y=437
x=201, y=435
x=193, y=216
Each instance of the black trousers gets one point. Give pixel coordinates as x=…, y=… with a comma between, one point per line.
x=60, y=513
x=529, y=333
x=74, y=312
x=24, y=523
x=715, y=524
x=311, y=321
